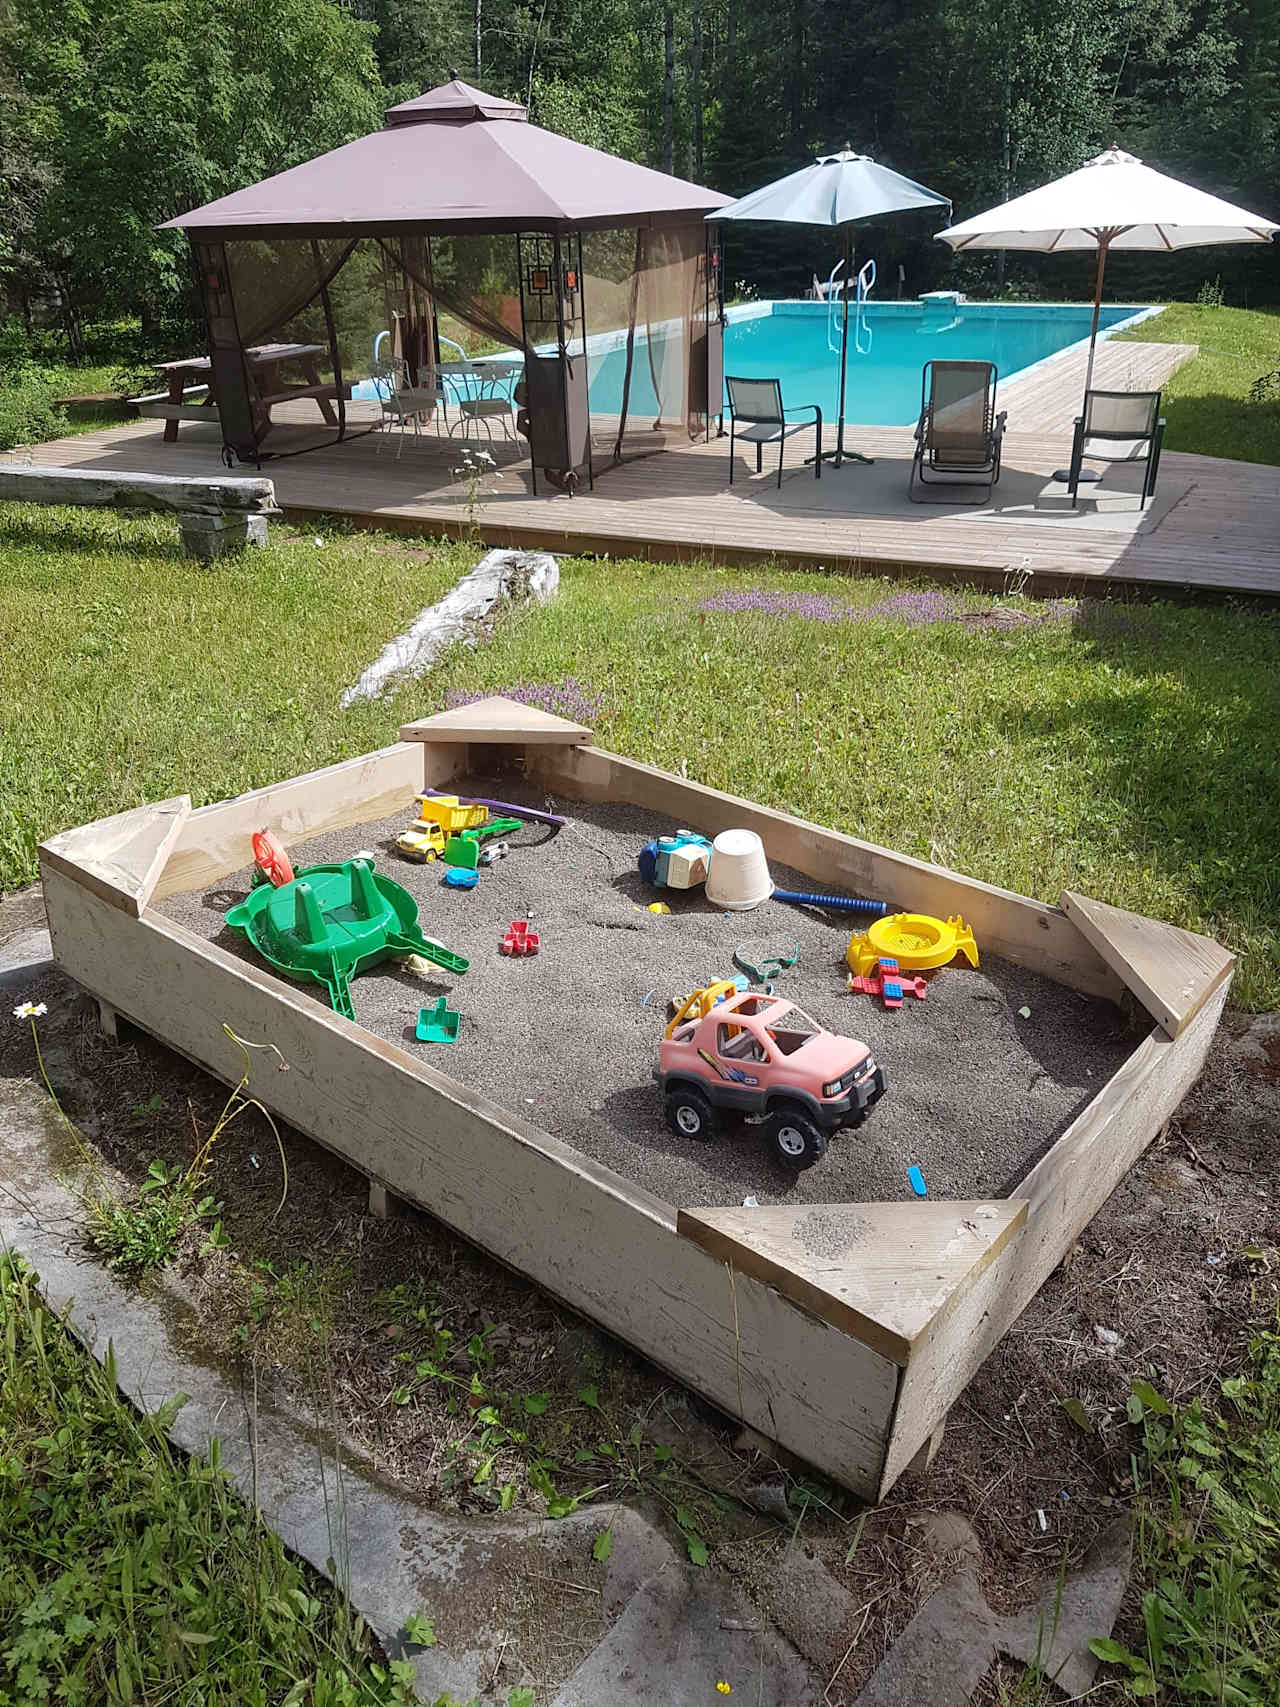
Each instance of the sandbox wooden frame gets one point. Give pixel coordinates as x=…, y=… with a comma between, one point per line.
x=851, y=1363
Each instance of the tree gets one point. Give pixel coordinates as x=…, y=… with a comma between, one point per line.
x=155, y=106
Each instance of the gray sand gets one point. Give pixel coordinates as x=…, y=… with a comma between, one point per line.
x=568, y=1038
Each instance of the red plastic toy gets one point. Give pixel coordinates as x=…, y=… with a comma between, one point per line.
x=520, y=939
x=888, y=983
x=272, y=860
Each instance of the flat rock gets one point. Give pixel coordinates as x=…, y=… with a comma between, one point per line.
x=942, y=1655
x=1055, y=1634
x=812, y=1608
x=943, y=1533
x=680, y=1636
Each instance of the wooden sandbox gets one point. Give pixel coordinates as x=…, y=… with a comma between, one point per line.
x=844, y=1331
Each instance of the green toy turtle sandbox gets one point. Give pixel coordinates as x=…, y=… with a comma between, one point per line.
x=334, y=921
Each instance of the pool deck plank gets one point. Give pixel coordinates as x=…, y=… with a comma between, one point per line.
x=1222, y=535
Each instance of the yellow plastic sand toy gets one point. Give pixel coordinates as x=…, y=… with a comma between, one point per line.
x=915, y=940
x=451, y=815
x=700, y=1003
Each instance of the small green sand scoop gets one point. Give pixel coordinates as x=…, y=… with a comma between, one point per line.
x=333, y=921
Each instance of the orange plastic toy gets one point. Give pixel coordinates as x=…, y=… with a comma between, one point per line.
x=272, y=860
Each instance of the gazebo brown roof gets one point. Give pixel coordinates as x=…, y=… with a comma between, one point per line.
x=453, y=160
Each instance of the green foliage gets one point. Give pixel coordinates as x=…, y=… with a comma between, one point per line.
x=562, y=1456
x=28, y=412
x=144, y=1234
x=130, y=1573
x=420, y=1630
x=1209, y=1542
x=1204, y=402
x=140, y=111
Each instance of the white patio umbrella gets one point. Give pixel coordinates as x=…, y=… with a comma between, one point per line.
x=1112, y=202
x=836, y=191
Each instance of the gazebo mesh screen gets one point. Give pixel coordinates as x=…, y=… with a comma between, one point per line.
x=643, y=308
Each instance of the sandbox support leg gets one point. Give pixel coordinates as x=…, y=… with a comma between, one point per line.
x=923, y=1459
x=379, y=1200
x=108, y=1021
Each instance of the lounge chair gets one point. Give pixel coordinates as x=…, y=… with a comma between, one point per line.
x=1119, y=426
x=758, y=404
x=959, y=435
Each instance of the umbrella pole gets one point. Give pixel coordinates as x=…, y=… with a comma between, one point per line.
x=1091, y=475
x=1104, y=244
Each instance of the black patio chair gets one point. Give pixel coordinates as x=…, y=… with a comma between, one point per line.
x=758, y=403
x=959, y=435
x=1119, y=426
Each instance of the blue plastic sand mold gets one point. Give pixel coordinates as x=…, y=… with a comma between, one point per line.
x=916, y=1179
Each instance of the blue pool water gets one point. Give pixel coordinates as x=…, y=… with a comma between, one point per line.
x=790, y=341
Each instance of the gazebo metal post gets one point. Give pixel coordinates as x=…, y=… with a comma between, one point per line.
x=575, y=239
x=524, y=339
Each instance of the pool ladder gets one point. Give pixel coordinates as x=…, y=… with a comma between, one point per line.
x=862, y=290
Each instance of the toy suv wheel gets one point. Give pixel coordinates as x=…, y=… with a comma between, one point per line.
x=797, y=1141
x=690, y=1114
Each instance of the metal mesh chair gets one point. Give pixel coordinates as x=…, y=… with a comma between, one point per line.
x=959, y=435
x=758, y=404
x=402, y=405
x=1119, y=426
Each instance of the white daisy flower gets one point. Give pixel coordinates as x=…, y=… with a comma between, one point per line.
x=30, y=1010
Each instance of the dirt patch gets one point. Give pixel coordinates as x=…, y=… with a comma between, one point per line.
x=568, y=1039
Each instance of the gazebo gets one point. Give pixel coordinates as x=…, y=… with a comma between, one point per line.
x=580, y=261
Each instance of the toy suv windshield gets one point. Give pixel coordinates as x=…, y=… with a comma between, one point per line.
x=765, y=1058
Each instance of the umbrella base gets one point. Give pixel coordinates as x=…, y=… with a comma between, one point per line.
x=1086, y=476
x=836, y=457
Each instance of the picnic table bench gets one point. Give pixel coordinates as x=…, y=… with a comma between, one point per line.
x=178, y=402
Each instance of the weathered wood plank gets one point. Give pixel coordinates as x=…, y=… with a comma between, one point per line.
x=1171, y=971
x=1064, y=1191
x=498, y=721
x=121, y=858
x=216, y=840
x=177, y=411
x=604, y=1246
x=879, y=1271
x=27, y=484
x=1029, y=933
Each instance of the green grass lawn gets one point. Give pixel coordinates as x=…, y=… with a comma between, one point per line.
x=130, y=1573
x=1207, y=402
x=1125, y=750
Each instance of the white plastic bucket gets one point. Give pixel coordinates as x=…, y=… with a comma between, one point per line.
x=739, y=874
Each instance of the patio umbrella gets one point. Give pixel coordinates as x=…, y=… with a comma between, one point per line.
x=835, y=191
x=1112, y=202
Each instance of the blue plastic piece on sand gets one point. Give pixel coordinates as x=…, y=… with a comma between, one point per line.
x=917, y=1181
x=458, y=877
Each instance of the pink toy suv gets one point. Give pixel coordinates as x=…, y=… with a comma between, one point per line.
x=761, y=1055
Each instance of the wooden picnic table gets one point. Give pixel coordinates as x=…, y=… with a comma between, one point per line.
x=264, y=362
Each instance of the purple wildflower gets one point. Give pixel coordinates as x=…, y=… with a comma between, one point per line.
x=814, y=607
x=568, y=697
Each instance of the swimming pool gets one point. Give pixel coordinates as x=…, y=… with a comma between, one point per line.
x=889, y=343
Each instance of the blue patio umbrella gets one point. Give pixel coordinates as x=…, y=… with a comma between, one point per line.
x=836, y=191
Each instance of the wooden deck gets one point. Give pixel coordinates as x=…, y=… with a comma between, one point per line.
x=1214, y=525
